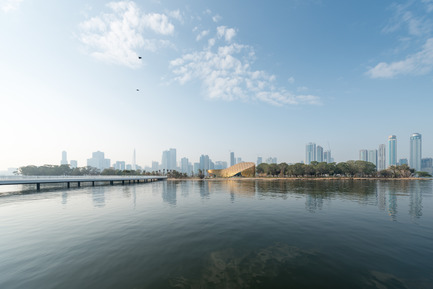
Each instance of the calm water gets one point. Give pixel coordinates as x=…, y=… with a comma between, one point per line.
x=220, y=234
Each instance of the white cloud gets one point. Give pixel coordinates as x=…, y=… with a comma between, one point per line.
x=202, y=34
x=418, y=63
x=116, y=36
x=176, y=15
x=10, y=5
x=225, y=73
x=216, y=18
x=429, y=5
x=291, y=80
x=227, y=33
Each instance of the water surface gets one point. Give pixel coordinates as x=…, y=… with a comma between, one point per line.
x=219, y=234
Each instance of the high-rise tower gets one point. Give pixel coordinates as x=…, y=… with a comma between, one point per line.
x=381, y=164
x=415, y=151
x=64, y=160
x=310, y=153
x=134, y=165
x=232, y=159
x=392, y=150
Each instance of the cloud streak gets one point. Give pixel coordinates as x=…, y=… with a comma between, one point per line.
x=419, y=26
x=116, y=36
x=224, y=70
x=418, y=63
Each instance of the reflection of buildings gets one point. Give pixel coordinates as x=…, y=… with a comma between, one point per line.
x=241, y=188
x=238, y=170
x=415, y=201
x=314, y=202
x=64, y=197
x=169, y=193
x=98, y=197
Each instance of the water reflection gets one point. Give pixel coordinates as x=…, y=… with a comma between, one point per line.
x=64, y=198
x=169, y=193
x=383, y=194
x=98, y=197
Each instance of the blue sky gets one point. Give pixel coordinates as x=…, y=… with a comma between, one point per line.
x=256, y=78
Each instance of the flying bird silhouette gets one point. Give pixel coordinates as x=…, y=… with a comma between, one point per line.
x=139, y=57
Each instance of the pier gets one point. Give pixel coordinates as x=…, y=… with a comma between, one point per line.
x=38, y=180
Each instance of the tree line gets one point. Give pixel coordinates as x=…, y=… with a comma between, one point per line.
x=351, y=169
x=315, y=169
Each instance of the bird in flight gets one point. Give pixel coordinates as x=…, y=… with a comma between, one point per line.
x=139, y=57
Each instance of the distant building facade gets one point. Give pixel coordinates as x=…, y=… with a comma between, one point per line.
x=259, y=160
x=310, y=153
x=319, y=154
x=415, y=151
x=381, y=162
x=73, y=164
x=392, y=150
x=64, y=160
x=98, y=161
x=427, y=165
x=327, y=156
x=372, y=157
x=232, y=159
x=363, y=155
x=169, y=161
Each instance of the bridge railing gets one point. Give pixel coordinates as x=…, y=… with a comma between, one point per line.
x=99, y=177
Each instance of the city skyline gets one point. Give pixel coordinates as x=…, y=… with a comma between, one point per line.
x=117, y=75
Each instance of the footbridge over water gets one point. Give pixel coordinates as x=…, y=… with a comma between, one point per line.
x=38, y=180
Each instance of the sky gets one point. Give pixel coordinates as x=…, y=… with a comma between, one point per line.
x=259, y=78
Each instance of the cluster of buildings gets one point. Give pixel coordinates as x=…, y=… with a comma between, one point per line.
x=381, y=159
x=315, y=153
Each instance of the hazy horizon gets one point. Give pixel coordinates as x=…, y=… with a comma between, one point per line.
x=260, y=79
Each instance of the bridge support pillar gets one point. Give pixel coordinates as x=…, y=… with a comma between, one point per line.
x=78, y=184
x=38, y=186
x=69, y=184
x=111, y=183
x=93, y=184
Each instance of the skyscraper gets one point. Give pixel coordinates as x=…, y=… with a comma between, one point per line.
x=319, y=154
x=415, y=151
x=372, y=157
x=363, y=155
x=99, y=161
x=134, y=165
x=173, y=159
x=259, y=160
x=382, y=157
x=232, y=159
x=64, y=160
x=184, y=165
x=327, y=156
x=392, y=150
x=310, y=153
x=168, y=161
x=204, y=163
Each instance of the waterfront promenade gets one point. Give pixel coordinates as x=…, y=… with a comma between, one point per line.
x=38, y=180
